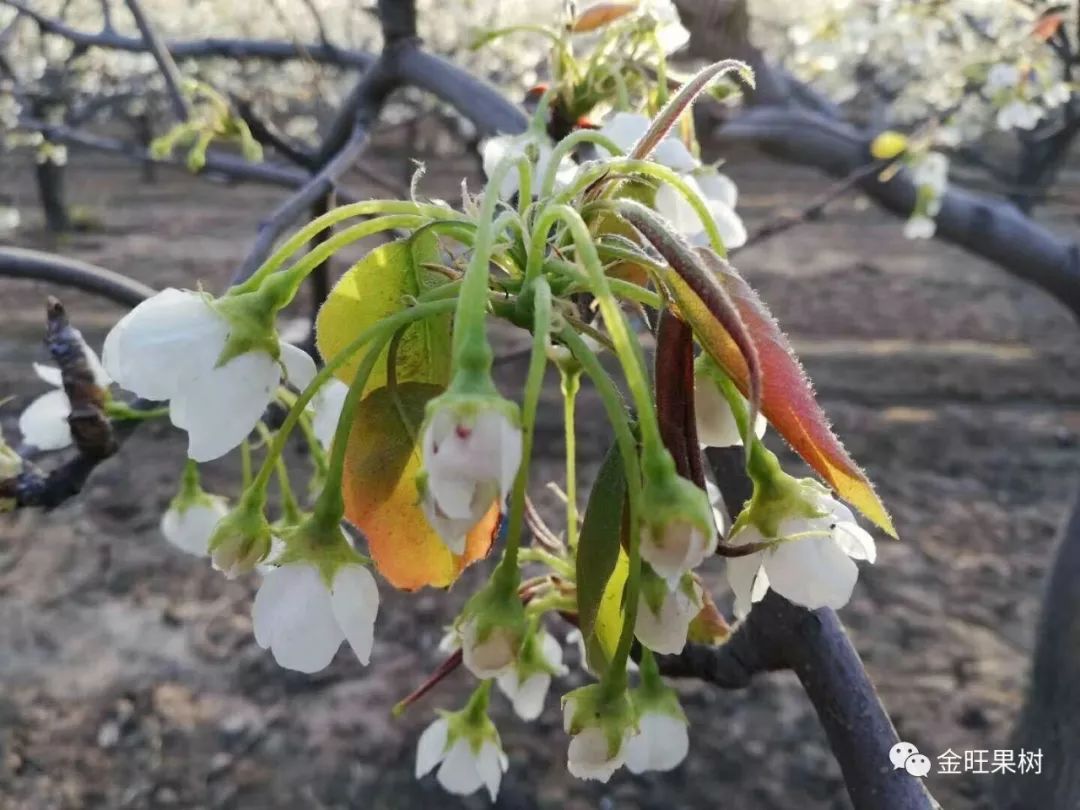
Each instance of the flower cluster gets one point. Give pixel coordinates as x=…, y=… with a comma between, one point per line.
x=412, y=443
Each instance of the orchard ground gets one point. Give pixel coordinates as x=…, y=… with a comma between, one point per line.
x=129, y=677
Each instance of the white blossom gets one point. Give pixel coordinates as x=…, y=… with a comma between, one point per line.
x=932, y=173
x=674, y=207
x=169, y=348
x=625, y=129
x=470, y=461
x=302, y=621
x=189, y=526
x=44, y=423
x=526, y=687
x=716, y=426
x=661, y=743
x=1019, y=114
x=664, y=629
x=590, y=755
x=920, y=227
x=494, y=150
x=490, y=656
x=465, y=768
x=680, y=547
x=1002, y=76
x=327, y=404
x=810, y=562
x=671, y=34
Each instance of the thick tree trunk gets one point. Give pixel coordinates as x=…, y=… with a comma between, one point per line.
x=50, y=183
x=1050, y=719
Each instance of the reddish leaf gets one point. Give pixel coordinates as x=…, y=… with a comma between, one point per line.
x=1048, y=26
x=600, y=15
x=787, y=397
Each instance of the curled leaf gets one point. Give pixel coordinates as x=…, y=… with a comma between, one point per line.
x=787, y=397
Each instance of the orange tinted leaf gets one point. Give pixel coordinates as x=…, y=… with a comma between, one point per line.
x=381, y=497
x=599, y=15
x=1047, y=26
x=787, y=397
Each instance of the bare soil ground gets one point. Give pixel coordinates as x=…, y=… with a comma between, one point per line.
x=129, y=677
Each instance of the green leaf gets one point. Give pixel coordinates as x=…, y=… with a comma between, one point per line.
x=600, y=577
x=377, y=286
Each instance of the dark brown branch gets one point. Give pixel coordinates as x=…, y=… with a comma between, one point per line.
x=987, y=227
x=35, y=265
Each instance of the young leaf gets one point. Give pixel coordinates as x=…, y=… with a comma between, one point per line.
x=376, y=287
x=381, y=498
x=679, y=102
x=598, y=547
x=787, y=397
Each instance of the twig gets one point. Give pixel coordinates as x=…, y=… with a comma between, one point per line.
x=91, y=430
x=164, y=60
x=812, y=210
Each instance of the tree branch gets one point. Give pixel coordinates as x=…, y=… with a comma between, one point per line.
x=777, y=635
x=987, y=227
x=210, y=47
x=35, y=265
x=164, y=60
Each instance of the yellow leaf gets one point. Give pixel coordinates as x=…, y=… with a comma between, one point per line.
x=601, y=644
x=376, y=287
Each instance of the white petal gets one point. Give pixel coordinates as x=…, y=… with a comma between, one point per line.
x=742, y=574
x=680, y=548
x=676, y=209
x=190, y=530
x=270, y=605
x=490, y=767
x=431, y=746
x=665, y=630
x=44, y=423
x=661, y=746
x=299, y=367
x=625, y=129
x=728, y=224
x=164, y=341
x=813, y=572
x=49, y=374
x=672, y=152
x=716, y=426
x=552, y=652
x=855, y=541
x=458, y=773
x=718, y=187
x=528, y=697
x=97, y=370
x=355, y=602
x=221, y=407
x=493, y=656
x=328, y=403
x=588, y=756
x=303, y=632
